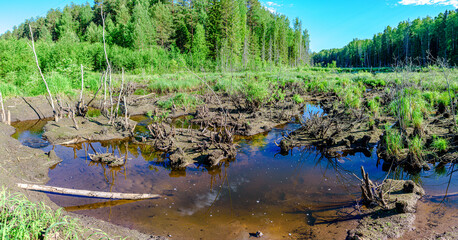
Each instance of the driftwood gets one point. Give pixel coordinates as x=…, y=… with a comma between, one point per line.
x=87, y=193
x=372, y=194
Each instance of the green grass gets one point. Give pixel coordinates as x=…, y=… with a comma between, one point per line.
x=93, y=112
x=410, y=107
x=180, y=100
x=417, y=119
x=416, y=147
x=374, y=106
x=440, y=144
x=22, y=219
x=393, y=141
x=298, y=99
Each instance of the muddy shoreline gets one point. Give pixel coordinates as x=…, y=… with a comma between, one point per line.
x=21, y=164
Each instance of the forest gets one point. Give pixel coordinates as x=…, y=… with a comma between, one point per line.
x=158, y=36
x=420, y=42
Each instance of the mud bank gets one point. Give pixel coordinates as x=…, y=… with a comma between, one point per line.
x=21, y=164
x=396, y=219
x=88, y=129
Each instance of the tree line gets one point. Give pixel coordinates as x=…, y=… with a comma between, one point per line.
x=160, y=34
x=420, y=42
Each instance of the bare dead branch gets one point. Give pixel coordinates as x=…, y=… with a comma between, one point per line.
x=42, y=77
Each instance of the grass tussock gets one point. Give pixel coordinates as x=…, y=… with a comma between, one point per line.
x=23, y=219
x=393, y=141
x=439, y=144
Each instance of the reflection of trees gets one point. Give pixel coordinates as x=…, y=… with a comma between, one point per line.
x=323, y=207
x=110, y=174
x=256, y=141
x=33, y=126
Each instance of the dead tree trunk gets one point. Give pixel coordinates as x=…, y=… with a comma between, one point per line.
x=371, y=193
x=120, y=92
x=3, y=109
x=56, y=118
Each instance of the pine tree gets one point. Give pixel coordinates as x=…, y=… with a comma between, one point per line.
x=141, y=26
x=163, y=21
x=199, y=46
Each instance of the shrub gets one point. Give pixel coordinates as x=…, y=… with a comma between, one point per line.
x=257, y=93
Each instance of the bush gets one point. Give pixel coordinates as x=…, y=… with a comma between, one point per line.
x=257, y=92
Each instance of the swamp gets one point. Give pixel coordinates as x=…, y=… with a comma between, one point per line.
x=195, y=135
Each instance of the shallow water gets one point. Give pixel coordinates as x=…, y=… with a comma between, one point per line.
x=302, y=194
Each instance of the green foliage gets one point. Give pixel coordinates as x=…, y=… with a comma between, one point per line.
x=440, y=144
x=149, y=114
x=278, y=94
x=298, y=99
x=393, y=140
x=234, y=34
x=417, y=119
x=374, y=106
x=171, y=83
x=180, y=100
x=22, y=219
x=410, y=108
x=257, y=92
x=93, y=112
x=140, y=91
x=352, y=97
x=199, y=46
x=416, y=147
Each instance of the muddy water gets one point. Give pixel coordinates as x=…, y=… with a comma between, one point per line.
x=300, y=195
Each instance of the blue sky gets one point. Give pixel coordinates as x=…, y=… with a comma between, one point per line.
x=331, y=23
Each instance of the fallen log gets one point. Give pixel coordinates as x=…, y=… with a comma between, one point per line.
x=87, y=193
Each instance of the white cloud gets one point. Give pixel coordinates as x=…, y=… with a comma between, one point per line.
x=272, y=6
x=271, y=9
x=430, y=2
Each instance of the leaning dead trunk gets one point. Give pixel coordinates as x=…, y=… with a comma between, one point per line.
x=3, y=109
x=42, y=77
